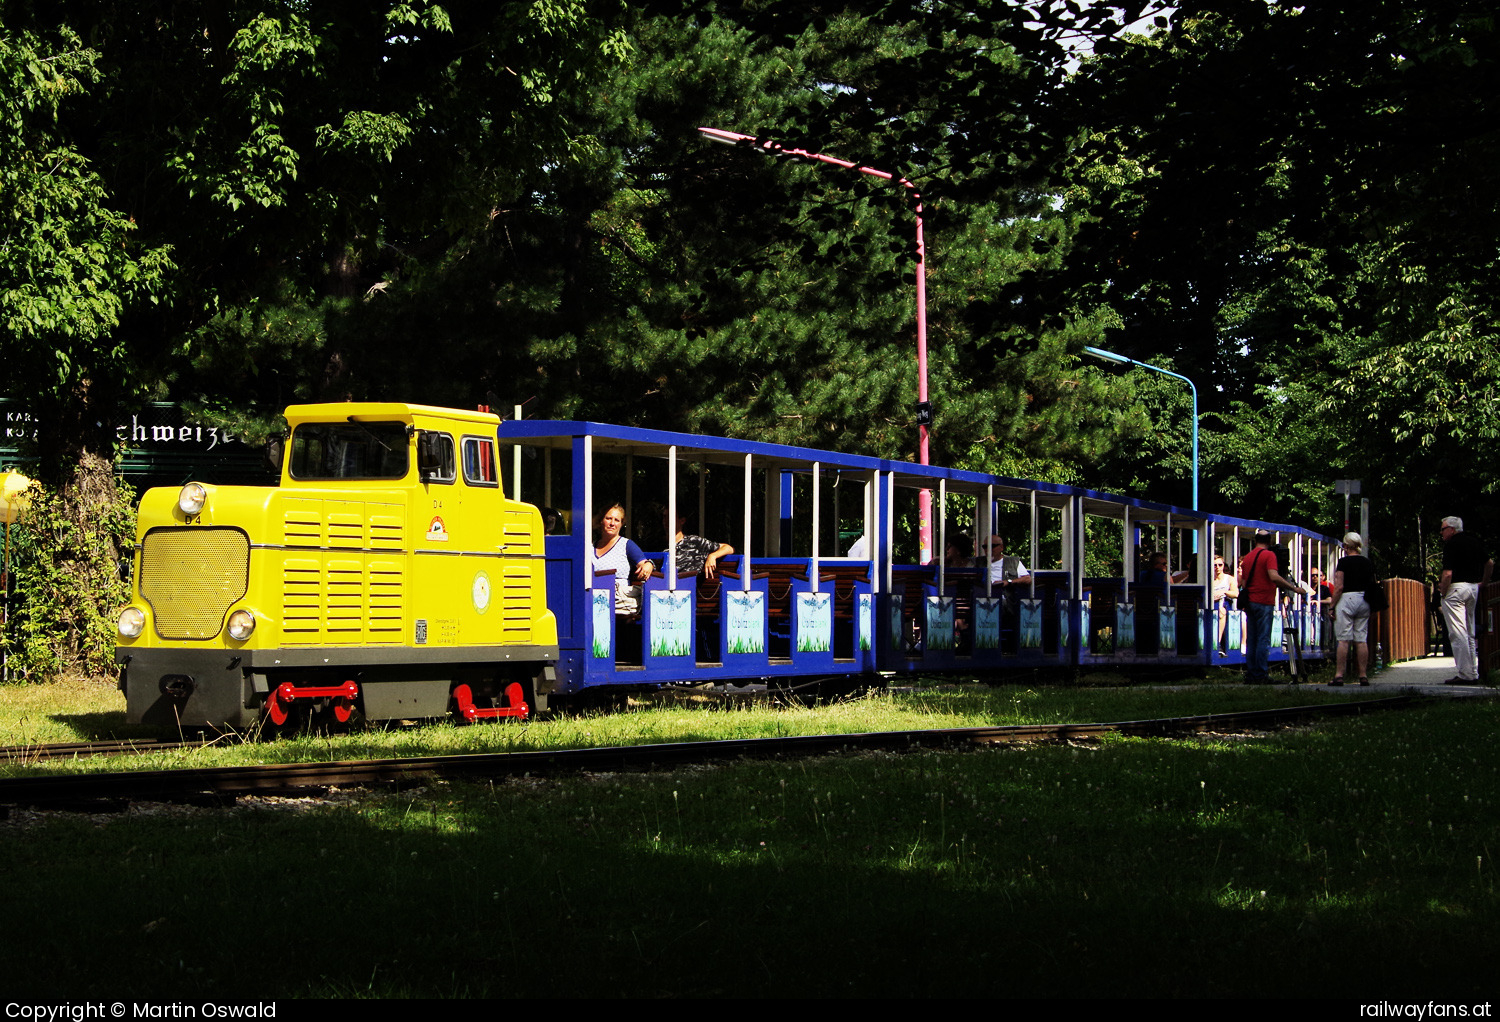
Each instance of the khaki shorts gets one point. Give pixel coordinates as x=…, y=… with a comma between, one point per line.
x=1352, y=622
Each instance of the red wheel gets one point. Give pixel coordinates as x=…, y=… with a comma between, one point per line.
x=515, y=697
x=463, y=704
x=275, y=710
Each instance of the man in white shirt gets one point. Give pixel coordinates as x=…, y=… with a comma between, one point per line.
x=1004, y=569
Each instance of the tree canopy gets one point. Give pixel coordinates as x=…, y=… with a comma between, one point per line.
x=181, y=166
x=241, y=205
x=1292, y=204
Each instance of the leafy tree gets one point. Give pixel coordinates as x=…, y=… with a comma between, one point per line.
x=1293, y=204
x=661, y=280
x=72, y=265
x=280, y=154
x=774, y=297
x=173, y=171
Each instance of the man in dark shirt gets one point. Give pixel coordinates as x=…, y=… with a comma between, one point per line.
x=1322, y=592
x=695, y=553
x=1465, y=569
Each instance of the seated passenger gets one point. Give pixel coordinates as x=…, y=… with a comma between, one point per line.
x=613, y=551
x=1322, y=593
x=694, y=553
x=956, y=555
x=1155, y=573
x=1004, y=568
x=1225, y=590
x=1153, y=579
x=956, y=551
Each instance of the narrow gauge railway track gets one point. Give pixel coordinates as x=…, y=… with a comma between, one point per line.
x=81, y=750
x=189, y=784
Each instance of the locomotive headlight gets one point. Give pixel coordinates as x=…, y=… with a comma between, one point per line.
x=132, y=622
x=192, y=498
x=241, y=625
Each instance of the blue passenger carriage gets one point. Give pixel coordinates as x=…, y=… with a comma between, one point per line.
x=826, y=580
x=1172, y=614
x=790, y=602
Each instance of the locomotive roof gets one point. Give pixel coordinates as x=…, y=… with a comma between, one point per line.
x=372, y=411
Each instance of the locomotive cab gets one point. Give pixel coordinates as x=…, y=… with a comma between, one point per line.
x=387, y=574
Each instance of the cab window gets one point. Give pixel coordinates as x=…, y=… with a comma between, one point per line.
x=479, y=461
x=435, y=457
x=349, y=450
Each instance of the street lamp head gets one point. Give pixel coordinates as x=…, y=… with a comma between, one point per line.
x=725, y=137
x=1105, y=356
x=776, y=148
x=1110, y=356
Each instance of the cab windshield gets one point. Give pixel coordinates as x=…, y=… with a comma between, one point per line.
x=349, y=450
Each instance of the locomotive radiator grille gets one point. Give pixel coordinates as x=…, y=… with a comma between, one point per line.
x=344, y=580
x=344, y=600
x=348, y=524
x=191, y=577
x=387, y=600
x=301, y=524
x=345, y=618
x=517, y=592
x=301, y=599
x=345, y=528
x=517, y=599
x=386, y=531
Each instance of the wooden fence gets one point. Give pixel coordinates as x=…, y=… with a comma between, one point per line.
x=1486, y=620
x=1402, y=627
x=1407, y=632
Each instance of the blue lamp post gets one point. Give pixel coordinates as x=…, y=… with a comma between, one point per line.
x=1110, y=356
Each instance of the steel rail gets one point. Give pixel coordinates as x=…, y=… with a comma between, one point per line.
x=105, y=747
x=177, y=785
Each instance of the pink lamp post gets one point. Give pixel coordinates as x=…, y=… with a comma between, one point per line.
x=776, y=148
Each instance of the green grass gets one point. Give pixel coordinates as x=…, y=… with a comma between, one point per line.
x=1353, y=861
x=71, y=709
x=74, y=710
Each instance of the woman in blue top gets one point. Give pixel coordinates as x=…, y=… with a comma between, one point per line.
x=613, y=552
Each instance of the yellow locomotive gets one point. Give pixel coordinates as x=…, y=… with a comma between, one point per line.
x=387, y=575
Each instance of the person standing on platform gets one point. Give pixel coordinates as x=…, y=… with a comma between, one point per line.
x=1353, y=576
x=1465, y=569
x=1261, y=579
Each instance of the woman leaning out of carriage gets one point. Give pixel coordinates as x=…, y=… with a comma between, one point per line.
x=1352, y=577
x=613, y=551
